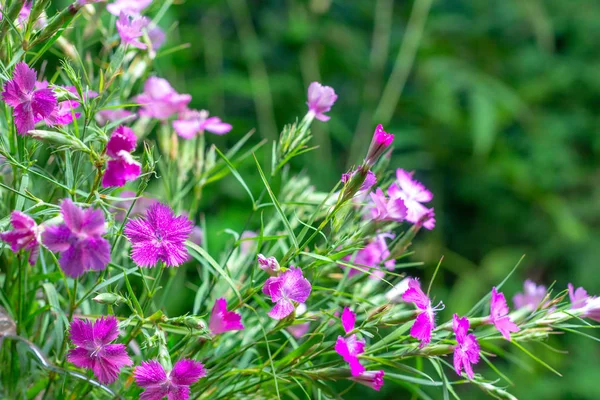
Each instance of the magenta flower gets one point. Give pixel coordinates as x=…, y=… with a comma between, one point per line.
x=29, y=105
x=160, y=100
x=370, y=180
x=130, y=7
x=379, y=144
x=24, y=236
x=130, y=29
x=425, y=321
x=192, y=122
x=348, y=320
x=63, y=113
x=499, y=315
x=157, y=383
x=94, y=350
x=467, y=350
x=286, y=288
x=122, y=167
x=414, y=195
x=79, y=240
x=269, y=265
x=392, y=209
x=160, y=236
x=350, y=347
x=222, y=320
x=590, y=305
x=372, y=256
x=531, y=297
x=320, y=100
x=372, y=379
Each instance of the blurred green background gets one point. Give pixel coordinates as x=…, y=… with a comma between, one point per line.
x=494, y=104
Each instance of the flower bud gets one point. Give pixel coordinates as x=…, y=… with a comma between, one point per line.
x=59, y=139
x=108, y=298
x=269, y=265
x=379, y=144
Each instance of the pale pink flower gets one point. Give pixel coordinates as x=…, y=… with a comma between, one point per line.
x=24, y=236
x=268, y=264
x=192, y=123
x=131, y=29
x=159, y=100
x=130, y=7
x=499, y=315
x=590, y=305
x=531, y=297
x=320, y=100
x=222, y=320
x=414, y=194
x=289, y=287
x=387, y=209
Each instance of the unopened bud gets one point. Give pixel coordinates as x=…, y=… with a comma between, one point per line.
x=268, y=264
x=379, y=144
x=59, y=139
x=108, y=298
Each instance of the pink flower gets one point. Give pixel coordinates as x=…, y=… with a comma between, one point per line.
x=24, y=236
x=79, y=240
x=269, y=265
x=467, y=350
x=414, y=195
x=285, y=288
x=247, y=246
x=160, y=100
x=372, y=379
x=29, y=105
x=531, y=297
x=192, y=122
x=348, y=320
x=425, y=321
x=372, y=256
x=157, y=37
x=580, y=299
x=320, y=100
x=499, y=315
x=105, y=116
x=350, y=347
x=392, y=209
x=130, y=7
x=130, y=29
x=298, y=330
x=222, y=320
x=122, y=167
x=93, y=350
x=63, y=114
x=157, y=383
x=370, y=180
x=379, y=144
x=160, y=236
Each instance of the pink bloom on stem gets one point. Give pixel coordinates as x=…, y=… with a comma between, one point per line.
x=192, y=122
x=159, y=100
x=379, y=144
x=222, y=320
x=175, y=385
x=499, y=315
x=160, y=236
x=284, y=289
x=392, y=209
x=105, y=116
x=24, y=236
x=414, y=195
x=425, y=321
x=370, y=180
x=268, y=264
x=581, y=300
x=372, y=379
x=348, y=319
x=298, y=330
x=130, y=29
x=247, y=246
x=79, y=240
x=63, y=114
x=130, y=7
x=320, y=100
x=531, y=297
x=94, y=350
x=157, y=37
x=29, y=105
x=467, y=350
x=350, y=347
x=372, y=256
x=122, y=167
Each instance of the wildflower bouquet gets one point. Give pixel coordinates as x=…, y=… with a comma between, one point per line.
x=104, y=165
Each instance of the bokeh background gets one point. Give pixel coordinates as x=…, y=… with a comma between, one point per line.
x=493, y=103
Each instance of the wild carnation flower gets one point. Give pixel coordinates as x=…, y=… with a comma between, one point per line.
x=269, y=265
x=122, y=167
x=160, y=100
x=285, y=288
x=392, y=209
x=105, y=116
x=467, y=350
x=379, y=144
x=29, y=105
x=222, y=320
x=350, y=347
x=79, y=240
x=499, y=315
x=193, y=122
x=372, y=379
x=531, y=297
x=372, y=256
x=425, y=321
x=247, y=246
x=130, y=29
x=320, y=100
x=24, y=236
x=175, y=384
x=130, y=7
x=414, y=195
x=94, y=350
x=590, y=305
x=370, y=180
x=160, y=236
